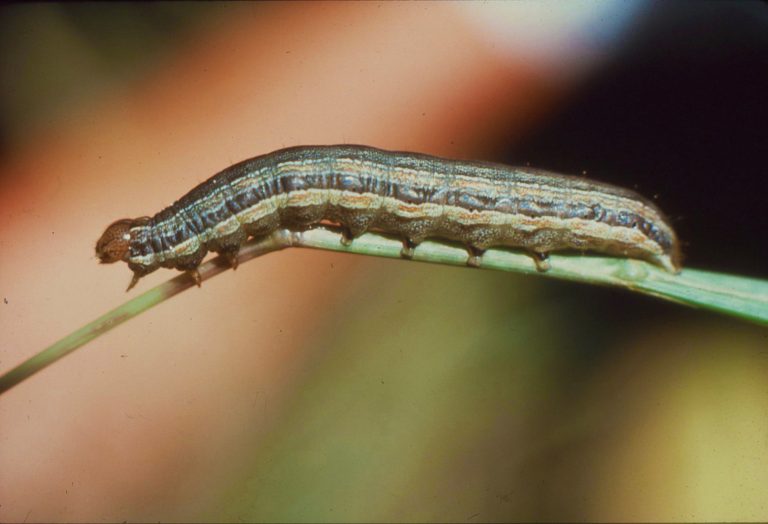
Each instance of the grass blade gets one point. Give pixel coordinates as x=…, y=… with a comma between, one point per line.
x=740, y=297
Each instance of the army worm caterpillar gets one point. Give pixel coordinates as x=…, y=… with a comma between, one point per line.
x=410, y=195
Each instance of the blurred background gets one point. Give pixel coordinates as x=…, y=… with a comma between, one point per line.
x=314, y=386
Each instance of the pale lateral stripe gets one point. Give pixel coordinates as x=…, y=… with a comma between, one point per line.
x=414, y=176
x=461, y=216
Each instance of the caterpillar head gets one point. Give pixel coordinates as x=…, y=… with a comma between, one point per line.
x=113, y=246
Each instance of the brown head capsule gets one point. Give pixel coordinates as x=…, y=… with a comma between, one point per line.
x=113, y=246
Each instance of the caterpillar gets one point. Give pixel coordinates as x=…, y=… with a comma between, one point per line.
x=412, y=196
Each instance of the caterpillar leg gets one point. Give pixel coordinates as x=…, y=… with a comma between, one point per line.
x=475, y=257
x=134, y=280
x=409, y=246
x=353, y=228
x=346, y=236
x=541, y=260
x=232, y=259
x=195, y=274
x=230, y=255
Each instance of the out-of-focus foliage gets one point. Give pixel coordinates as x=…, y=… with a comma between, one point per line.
x=497, y=409
x=57, y=56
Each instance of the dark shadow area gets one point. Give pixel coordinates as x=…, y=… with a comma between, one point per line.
x=681, y=113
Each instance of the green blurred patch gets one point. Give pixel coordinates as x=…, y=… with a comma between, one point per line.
x=439, y=394
x=55, y=57
x=422, y=405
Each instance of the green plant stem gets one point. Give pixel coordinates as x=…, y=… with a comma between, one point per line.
x=741, y=297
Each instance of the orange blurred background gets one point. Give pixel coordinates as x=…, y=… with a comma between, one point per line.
x=314, y=386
